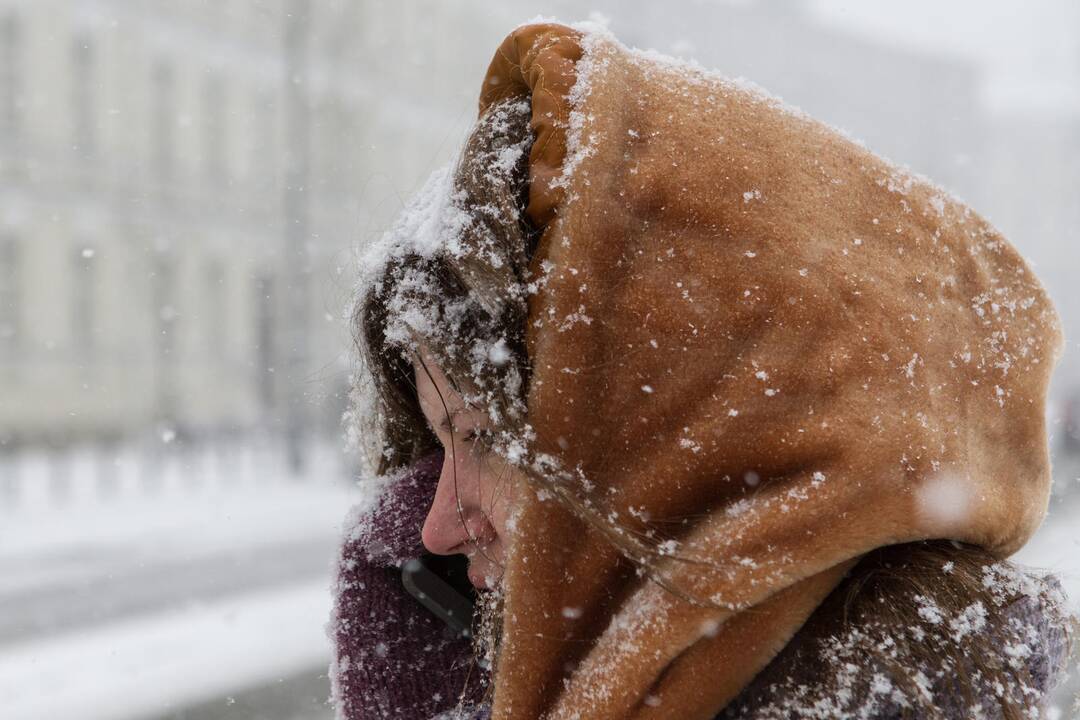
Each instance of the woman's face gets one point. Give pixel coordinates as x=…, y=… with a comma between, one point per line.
x=473, y=500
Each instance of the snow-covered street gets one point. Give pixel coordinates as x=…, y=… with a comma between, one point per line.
x=158, y=662
x=140, y=605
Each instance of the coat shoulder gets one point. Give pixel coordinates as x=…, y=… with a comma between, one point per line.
x=945, y=647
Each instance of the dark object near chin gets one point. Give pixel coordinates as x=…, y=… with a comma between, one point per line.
x=441, y=584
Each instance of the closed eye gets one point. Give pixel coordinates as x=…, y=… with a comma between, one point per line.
x=470, y=435
x=475, y=439
x=449, y=429
x=477, y=434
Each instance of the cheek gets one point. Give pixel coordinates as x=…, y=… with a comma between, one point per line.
x=484, y=483
x=499, y=488
x=461, y=478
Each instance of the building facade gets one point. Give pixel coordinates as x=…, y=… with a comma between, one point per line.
x=146, y=262
x=183, y=185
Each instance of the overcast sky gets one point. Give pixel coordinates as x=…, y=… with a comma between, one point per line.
x=1030, y=49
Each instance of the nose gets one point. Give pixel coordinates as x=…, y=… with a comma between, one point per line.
x=448, y=532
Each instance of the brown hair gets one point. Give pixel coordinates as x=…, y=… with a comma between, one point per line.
x=901, y=611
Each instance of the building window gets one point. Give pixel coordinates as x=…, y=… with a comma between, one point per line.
x=163, y=117
x=215, y=318
x=10, y=295
x=84, y=303
x=214, y=129
x=265, y=350
x=83, y=95
x=264, y=146
x=164, y=294
x=337, y=143
x=10, y=65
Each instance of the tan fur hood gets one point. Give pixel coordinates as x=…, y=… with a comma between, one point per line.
x=767, y=350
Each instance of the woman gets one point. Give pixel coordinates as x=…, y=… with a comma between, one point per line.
x=736, y=418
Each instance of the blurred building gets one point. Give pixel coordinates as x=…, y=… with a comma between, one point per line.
x=182, y=184
x=1031, y=195
x=155, y=158
x=181, y=187
x=919, y=109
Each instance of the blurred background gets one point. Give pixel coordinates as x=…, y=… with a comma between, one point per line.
x=183, y=188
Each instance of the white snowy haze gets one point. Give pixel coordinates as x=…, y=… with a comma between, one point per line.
x=184, y=191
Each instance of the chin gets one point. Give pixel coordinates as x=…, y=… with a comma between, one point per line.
x=477, y=578
x=484, y=575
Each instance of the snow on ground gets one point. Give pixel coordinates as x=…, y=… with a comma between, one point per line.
x=151, y=665
x=38, y=549
x=191, y=513
x=132, y=589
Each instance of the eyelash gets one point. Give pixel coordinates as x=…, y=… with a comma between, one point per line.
x=469, y=435
x=472, y=435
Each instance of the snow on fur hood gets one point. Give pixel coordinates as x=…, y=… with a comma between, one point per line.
x=761, y=347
